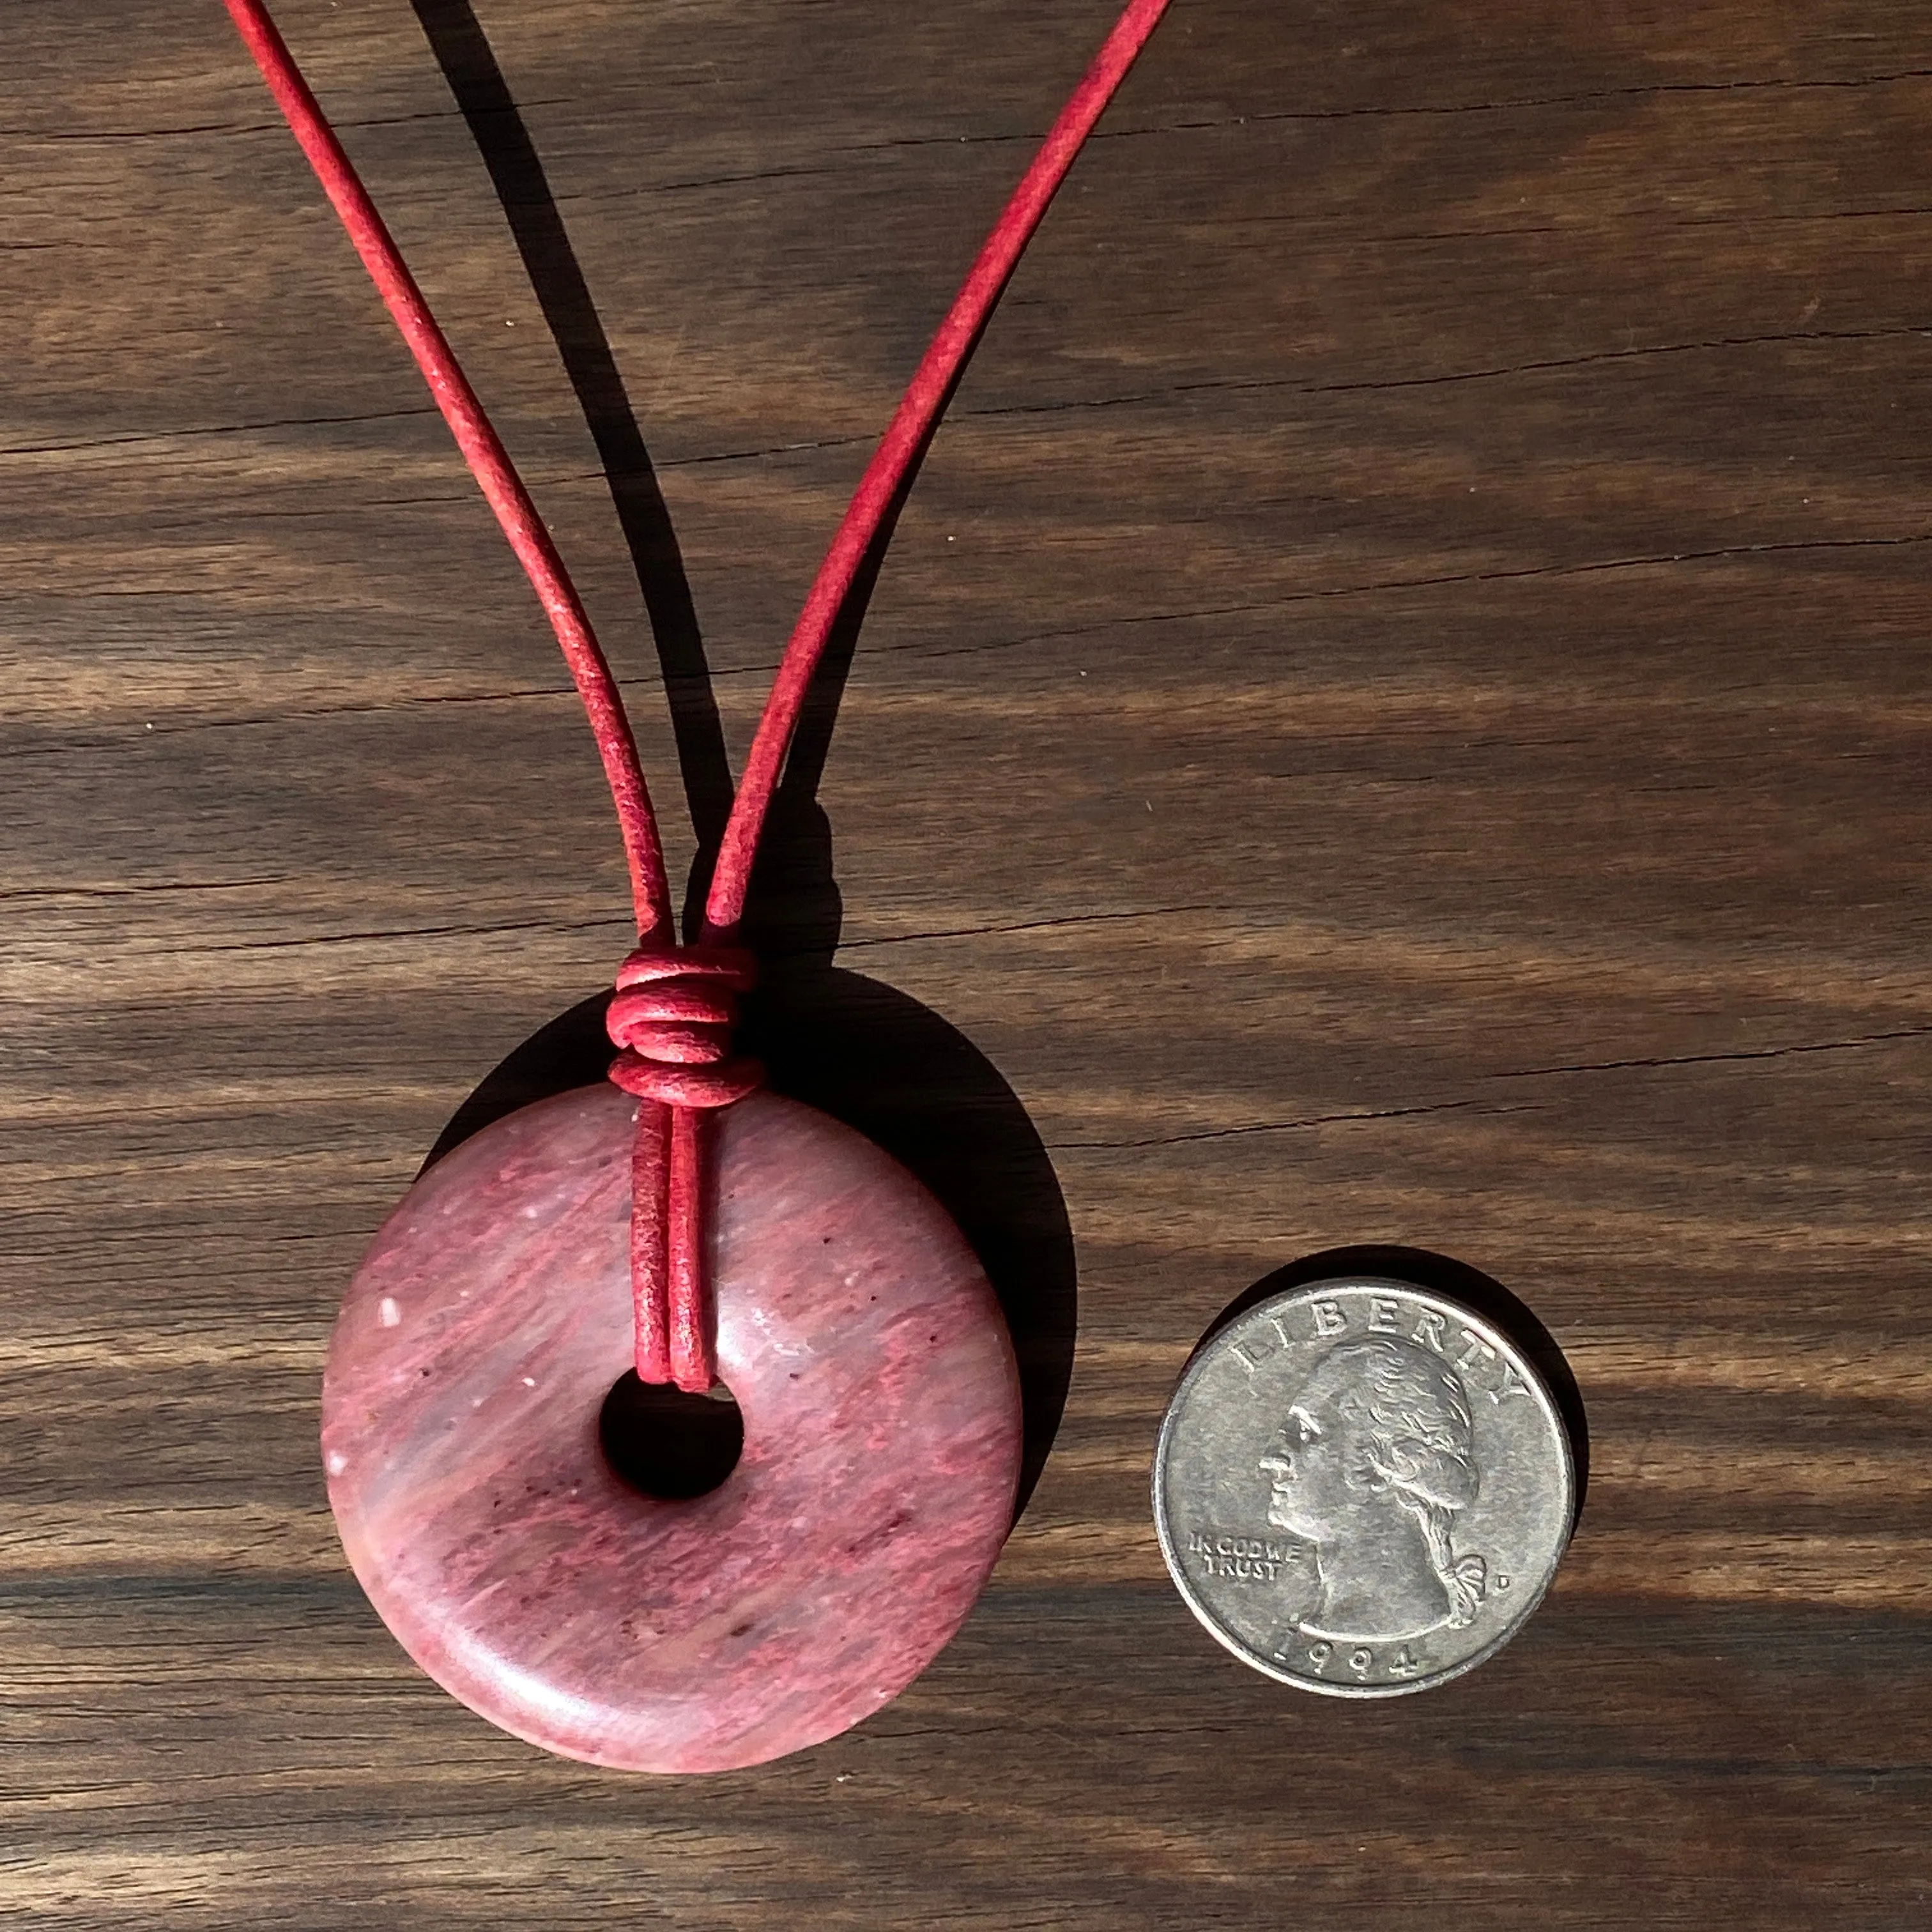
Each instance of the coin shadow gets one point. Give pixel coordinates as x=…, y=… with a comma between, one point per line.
x=1455, y=1281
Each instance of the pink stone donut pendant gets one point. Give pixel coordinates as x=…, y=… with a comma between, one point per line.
x=461, y=1412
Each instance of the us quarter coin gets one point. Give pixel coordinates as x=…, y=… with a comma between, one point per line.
x=1362, y=1489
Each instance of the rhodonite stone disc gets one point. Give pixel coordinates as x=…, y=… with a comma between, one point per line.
x=461, y=1412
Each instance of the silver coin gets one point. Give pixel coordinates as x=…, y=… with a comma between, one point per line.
x=1362, y=1489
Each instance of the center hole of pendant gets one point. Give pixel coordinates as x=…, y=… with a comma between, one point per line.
x=666, y=1444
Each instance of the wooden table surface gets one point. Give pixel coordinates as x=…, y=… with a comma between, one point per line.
x=1399, y=711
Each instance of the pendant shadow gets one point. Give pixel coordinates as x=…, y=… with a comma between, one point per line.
x=871, y=1057
x=1455, y=1281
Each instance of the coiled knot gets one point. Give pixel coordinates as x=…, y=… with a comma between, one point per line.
x=672, y=1019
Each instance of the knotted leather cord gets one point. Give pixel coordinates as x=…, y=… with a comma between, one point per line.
x=672, y=1014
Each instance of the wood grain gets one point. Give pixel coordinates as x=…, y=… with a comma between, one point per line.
x=1398, y=711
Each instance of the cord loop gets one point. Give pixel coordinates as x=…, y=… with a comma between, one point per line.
x=672, y=1020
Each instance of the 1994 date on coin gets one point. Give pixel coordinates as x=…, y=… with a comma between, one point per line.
x=1362, y=1488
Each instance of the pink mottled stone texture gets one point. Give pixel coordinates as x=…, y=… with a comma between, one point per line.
x=460, y=1410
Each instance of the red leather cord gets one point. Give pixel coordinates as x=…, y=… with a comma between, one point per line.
x=671, y=1017
x=484, y=451
x=899, y=450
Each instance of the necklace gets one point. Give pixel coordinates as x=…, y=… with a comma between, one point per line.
x=684, y=1221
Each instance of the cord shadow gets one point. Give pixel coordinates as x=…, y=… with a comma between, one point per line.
x=463, y=51
x=1455, y=1281
x=858, y=1050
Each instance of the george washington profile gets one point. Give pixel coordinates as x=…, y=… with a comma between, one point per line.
x=1372, y=1464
